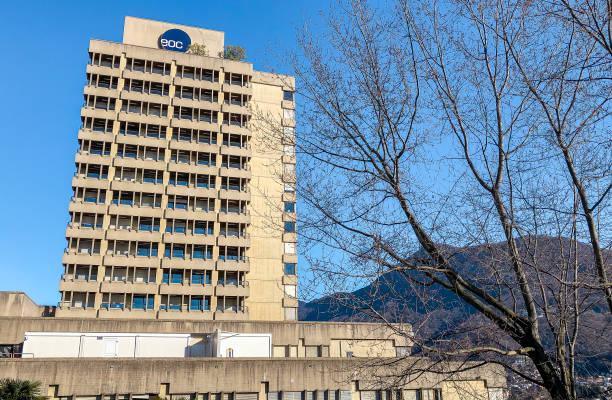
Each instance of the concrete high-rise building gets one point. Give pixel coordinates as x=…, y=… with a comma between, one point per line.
x=179, y=210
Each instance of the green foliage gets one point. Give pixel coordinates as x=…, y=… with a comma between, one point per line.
x=158, y=397
x=198, y=49
x=236, y=53
x=15, y=389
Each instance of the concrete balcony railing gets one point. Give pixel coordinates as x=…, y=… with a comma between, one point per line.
x=133, y=235
x=90, y=158
x=234, y=265
x=189, y=238
x=119, y=313
x=92, y=112
x=290, y=302
x=232, y=314
x=192, y=168
x=235, y=129
x=84, y=232
x=187, y=263
x=180, y=190
x=290, y=105
x=199, y=83
x=139, y=163
x=128, y=287
x=143, y=118
x=244, y=151
x=73, y=257
x=103, y=70
x=186, y=289
x=239, y=241
x=240, y=218
x=185, y=314
x=141, y=140
x=146, y=76
x=90, y=134
x=151, y=98
x=289, y=196
x=135, y=211
x=100, y=91
x=235, y=172
x=189, y=214
x=290, y=258
x=80, y=180
x=86, y=207
x=194, y=103
x=236, y=108
x=234, y=194
x=240, y=290
x=212, y=125
x=78, y=285
x=290, y=237
x=136, y=186
x=131, y=260
x=193, y=146
x=237, y=89
x=290, y=280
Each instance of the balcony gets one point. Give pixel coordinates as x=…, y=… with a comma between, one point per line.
x=189, y=214
x=141, y=140
x=81, y=180
x=128, y=287
x=238, y=290
x=290, y=280
x=138, y=163
x=133, y=235
x=143, y=118
x=237, y=241
x=187, y=263
x=236, y=129
x=193, y=146
x=100, y=91
x=135, y=211
x=236, y=108
x=199, y=83
x=92, y=112
x=122, y=313
x=194, y=124
x=206, y=315
x=120, y=260
x=234, y=265
x=103, y=70
x=235, y=172
x=78, y=285
x=151, y=98
x=86, y=207
x=232, y=314
x=290, y=237
x=186, y=289
x=203, y=104
x=289, y=197
x=90, y=134
x=192, y=168
x=73, y=257
x=237, y=89
x=235, y=150
x=136, y=186
x=234, y=194
x=188, y=238
x=190, y=191
x=240, y=218
x=146, y=76
x=84, y=231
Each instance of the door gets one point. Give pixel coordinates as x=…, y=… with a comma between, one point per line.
x=110, y=347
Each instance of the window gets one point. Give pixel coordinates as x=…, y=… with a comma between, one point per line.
x=349, y=354
x=290, y=227
x=290, y=268
x=288, y=114
x=287, y=95
x=289, y=207
x=290, y=314
x=291, y=291
x=290, y=248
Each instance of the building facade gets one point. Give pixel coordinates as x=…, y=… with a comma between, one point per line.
x=181, y=208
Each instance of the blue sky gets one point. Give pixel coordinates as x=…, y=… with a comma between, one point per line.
x=44, y=48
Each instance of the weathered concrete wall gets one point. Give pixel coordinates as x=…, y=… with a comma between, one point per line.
x=12, y=329
x=140, y=376
x=18, y=304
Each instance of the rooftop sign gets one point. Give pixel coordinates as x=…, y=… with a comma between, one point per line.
x=175, y=40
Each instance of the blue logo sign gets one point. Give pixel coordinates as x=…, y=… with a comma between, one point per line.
x=175, y=40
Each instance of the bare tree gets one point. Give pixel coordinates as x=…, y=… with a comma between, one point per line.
x=461, y=152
